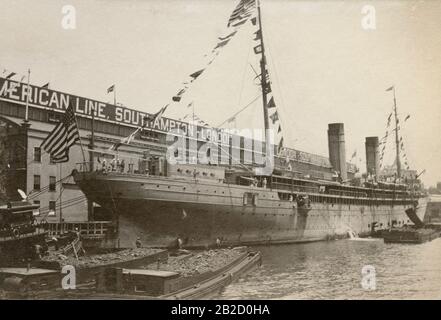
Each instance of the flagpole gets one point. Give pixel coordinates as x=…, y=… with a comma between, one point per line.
x=114, y=95
x=27, y=97
x=61, y=210
x=92, y=141
x=81, y=144
x=90, y=207
x=264, y=84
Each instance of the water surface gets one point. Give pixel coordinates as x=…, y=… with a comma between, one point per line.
x=333, y=270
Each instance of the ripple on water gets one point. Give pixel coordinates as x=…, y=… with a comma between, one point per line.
x=332, y=270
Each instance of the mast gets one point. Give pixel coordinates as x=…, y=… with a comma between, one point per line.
x=397, y=140
x=263, y=81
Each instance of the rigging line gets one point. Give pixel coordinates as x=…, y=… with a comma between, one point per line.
x=250, y=103
x=271, y=48
x=243, y=74
x=255, y=72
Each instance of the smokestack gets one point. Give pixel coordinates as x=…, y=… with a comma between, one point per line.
x=372, y=161
x=337, y=150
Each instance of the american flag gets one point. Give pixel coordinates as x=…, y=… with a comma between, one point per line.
x=242, y=11
x=64, y=135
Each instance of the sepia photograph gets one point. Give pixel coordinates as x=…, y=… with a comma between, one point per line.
x=231, y=152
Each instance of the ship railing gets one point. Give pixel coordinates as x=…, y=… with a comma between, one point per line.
x=109, y=167
x=86, y=229
x=354, y=194
x=293, y=187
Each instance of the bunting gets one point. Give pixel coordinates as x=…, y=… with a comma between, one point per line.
x=280, y=146
x=271, y=103
x=196, y=74
x=240, y=15
x=242, y=12
x=9, y=76
x=125, y=140
x=221, y=44
x=178, y=96
x=228, y=37
x=137, y=132
x=258, y=34
x=388, y=119
x=274, y=117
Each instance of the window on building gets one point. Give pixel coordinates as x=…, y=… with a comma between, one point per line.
x=37, y=154
x=37, y=202
x=52, y=183
x=52, y=208
x=54, y=117
x=37, y=182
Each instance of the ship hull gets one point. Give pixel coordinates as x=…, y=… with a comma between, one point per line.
x=160, y=210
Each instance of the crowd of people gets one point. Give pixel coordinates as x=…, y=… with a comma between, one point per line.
x=114, y=165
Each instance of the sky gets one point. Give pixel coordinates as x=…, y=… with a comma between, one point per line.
x=325, y=67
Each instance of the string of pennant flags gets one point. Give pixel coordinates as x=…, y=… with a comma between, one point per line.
x=238, y=17
x=249, y=12
x=273, y=111
x=243, y=12
x=383, y=140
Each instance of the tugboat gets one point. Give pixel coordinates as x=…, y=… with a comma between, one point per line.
x=22, y=239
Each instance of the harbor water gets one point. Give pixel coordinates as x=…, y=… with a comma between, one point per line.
x=333, y=270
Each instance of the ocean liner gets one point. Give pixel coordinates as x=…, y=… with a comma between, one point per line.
x=298, y=200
